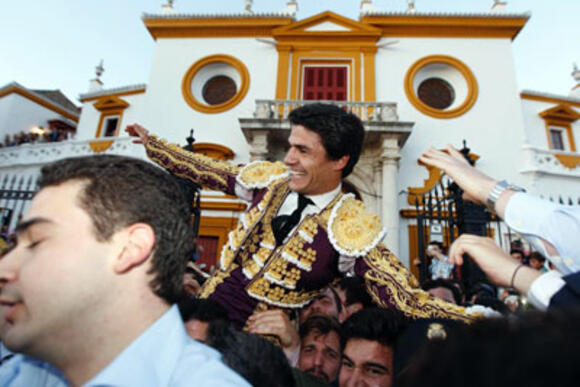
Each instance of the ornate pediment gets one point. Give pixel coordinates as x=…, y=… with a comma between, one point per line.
x=110, y=103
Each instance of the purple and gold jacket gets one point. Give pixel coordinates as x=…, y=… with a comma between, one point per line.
x=255, y=275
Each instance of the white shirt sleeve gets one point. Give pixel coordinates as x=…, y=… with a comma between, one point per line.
x=543, y=288
x=538, y=219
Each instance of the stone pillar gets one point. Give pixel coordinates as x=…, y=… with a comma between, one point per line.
x=259, y=145
x=390, y=206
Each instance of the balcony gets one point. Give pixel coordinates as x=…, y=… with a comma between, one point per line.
x=550, y=162
x=267, y=132
x=35, y=155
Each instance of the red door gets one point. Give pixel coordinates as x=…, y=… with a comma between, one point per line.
x=324, y=83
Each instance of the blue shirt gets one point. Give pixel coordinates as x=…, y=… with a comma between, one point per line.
x=164, y=355
x=18, y=370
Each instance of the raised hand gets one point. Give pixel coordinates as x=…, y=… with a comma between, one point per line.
x=136, y=130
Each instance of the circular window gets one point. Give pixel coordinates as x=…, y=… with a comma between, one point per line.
x=219, y=89
x=441, y=86
x=215, y=84
x=436, y=92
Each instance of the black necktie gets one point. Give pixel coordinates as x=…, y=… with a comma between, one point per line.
x=283, y=224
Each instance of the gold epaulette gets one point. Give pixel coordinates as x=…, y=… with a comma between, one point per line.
x=352, y=230
x=259, y=174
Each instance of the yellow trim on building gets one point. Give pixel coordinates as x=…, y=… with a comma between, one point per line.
x=200, y=64
x=541, y=98
x=40, y=101
x=446, y=27
x=355, y=47
x=110, y=106
x=100, y=146
x=472, y=88
x=214, y=27
x=560, y=116
x=215, y=151
x=569, y=161
x=115, y=94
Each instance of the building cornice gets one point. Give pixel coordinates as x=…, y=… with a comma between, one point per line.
x=447, y=25
x=17, y=88
x=117, y=92
x=549, y=97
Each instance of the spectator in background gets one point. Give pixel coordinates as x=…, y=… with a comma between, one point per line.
x=443, y=289
x=320, y=351
x=368, y=341
x=518, y=255
x=198, y=314
x=353, y=297
x=326, y=304
x=260, y=362
x=440, y=266
x=537, y=261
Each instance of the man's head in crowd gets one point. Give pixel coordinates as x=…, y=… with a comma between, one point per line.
x=320, y=348
x=368, y=341
x=100, y=254
x=353, y=296
x=435, y=248
x=443, y=289
x=325, y=144
x=198, y=314
x=517, y=254
x=536, y=260
x=260, y=362
x=326, y=304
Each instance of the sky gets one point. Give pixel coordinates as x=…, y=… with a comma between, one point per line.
x=56, y=44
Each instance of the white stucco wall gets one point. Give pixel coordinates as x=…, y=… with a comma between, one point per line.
x=89, y=121
x=493, y=127
x=167, y=113
x=18, y=113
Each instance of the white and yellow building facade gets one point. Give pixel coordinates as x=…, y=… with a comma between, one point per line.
x=416, y=80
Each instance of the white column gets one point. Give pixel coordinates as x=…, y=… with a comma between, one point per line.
x=259, y=145
x=390, y=207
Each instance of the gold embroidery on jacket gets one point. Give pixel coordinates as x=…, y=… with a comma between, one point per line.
x=387, y=273
x=199, y=168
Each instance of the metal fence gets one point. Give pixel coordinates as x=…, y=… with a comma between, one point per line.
x=16, y=192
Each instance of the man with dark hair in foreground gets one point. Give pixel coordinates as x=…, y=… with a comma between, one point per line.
x=368, y=341
x=90, y=283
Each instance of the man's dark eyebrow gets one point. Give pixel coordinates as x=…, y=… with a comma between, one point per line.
x=376, y=365
x=23, y=226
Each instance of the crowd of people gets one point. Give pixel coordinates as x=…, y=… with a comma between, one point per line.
x=55, y=135
x=99, y=290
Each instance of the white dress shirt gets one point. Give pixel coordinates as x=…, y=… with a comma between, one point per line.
x=536, y=219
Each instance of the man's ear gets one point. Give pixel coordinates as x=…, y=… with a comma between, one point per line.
x=139, y=241
x=341, y=163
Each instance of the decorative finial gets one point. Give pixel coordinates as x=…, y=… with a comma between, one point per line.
x=411, y=6
x=366, y=7
x=575, y=72
x=99, y=70
x=167, y=8
x=291, y=7
x=498, y=6
x=248, y=7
